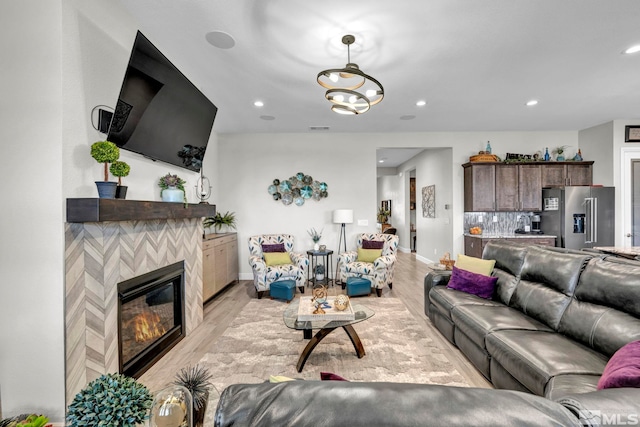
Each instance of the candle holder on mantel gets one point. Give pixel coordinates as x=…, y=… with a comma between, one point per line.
x=203, y=189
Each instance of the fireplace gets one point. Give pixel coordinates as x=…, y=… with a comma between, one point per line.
x=150, y=317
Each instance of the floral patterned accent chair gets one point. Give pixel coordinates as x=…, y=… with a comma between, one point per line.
x=379, y=270
x=283, y=265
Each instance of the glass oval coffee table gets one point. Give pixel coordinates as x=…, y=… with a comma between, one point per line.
x=325, y=327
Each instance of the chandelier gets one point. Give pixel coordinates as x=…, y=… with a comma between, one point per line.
x=350, y=90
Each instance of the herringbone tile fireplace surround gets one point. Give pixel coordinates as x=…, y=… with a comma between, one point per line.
x=99, y=255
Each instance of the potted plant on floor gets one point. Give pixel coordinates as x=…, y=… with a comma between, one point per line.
x=218, y=221
x=113, y=400
x=196, y=380
x=105, y=152
x=120, y=169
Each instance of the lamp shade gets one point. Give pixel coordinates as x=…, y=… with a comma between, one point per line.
x=343, y=216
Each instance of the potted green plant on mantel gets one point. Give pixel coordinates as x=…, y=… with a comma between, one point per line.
x=172, y=188
x=559, y=151
x=110, y=400
x=219, y=221
x=105, y=152
x=120, y=169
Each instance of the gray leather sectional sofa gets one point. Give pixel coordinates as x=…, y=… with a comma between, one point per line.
x=555, y=320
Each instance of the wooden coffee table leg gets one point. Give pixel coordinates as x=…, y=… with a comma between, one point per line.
x=319, y=336
x=355, y=340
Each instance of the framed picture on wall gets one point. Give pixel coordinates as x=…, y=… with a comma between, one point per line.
x=632, y=134
x=429, y=201
x=386, y=205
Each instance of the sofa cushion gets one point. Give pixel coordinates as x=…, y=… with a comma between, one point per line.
x=444, y=299
x=605, y=313
x=472, y=283
x=475, y=265
x=477, y=321
x=368, y=255
x=562, y=385
x=623, y=369
x=274, y=247
x=276, y=258
x=534, y=357
x=547, y=283
x=509, y=259
x=372, y=244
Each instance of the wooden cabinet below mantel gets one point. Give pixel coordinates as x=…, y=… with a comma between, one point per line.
x=220, y=262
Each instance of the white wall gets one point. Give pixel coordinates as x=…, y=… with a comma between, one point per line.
x=347, y=163
x=31, y=294
x=597, y=144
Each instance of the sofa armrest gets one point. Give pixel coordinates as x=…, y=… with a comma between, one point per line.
x=301, y=261
x=613, y=406
x=384, y=262
x=364, y=404
x=257, y=264
x=348, y=257
x=431, y=280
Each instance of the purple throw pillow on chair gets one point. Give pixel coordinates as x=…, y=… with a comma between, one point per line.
x=277, y=247
x=472, y=283
x=372, y=244
x=623, y=369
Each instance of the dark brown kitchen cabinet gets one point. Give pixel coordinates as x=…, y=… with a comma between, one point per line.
x=502, y=187
x=508, y=187
x=559, y=174
x=479, y=187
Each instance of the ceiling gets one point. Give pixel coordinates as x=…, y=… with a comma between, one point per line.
x=475, y=63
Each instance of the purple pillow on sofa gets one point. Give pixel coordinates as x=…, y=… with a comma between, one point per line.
x=277, y=247
x=623, y=369
x=372, y=244
x=472, y=283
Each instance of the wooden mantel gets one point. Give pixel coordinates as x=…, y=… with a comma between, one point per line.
x=99, y=210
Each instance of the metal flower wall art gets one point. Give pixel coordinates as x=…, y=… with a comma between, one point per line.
x=297, y=189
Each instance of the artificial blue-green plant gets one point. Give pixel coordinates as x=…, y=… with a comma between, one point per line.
x=111, y=400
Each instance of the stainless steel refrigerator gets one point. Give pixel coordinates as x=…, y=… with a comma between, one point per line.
x=580, y=217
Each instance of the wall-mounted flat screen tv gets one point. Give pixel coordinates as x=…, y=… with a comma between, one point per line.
x=160, y=113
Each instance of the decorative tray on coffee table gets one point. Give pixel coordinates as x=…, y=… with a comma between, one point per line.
x=306, y=309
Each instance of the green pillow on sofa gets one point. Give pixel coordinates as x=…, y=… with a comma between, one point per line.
x=475, y=265
x=276, y=258
x=368, y=255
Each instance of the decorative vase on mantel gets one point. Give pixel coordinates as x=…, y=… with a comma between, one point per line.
x=172, y=194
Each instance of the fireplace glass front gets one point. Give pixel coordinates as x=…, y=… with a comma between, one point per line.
x=150, y=317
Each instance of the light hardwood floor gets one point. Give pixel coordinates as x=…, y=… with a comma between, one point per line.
x=222, y=309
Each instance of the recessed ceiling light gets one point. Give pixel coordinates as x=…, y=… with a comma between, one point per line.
x=259, y=104
x=632, y=49
x=421, y=103
x=380, y=161
x=532, y=103
x=220, y=39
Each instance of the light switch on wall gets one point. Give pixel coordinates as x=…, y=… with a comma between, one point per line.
x=363, y=222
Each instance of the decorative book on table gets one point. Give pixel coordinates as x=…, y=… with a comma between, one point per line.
x=306, y=309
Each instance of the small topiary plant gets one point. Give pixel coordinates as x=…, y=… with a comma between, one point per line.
x=105, y=152
x=111, y=400
x=119, y=169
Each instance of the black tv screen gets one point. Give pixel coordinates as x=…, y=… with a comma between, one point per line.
x=160, y=113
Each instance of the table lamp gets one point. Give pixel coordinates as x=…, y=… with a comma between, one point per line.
x=342, y=216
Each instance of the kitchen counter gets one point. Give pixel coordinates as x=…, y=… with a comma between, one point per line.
x=474, y=243
x=510, y=236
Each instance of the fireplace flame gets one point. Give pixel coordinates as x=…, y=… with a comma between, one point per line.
x=147, y=326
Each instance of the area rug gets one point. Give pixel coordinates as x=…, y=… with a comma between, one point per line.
x=257, y=344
